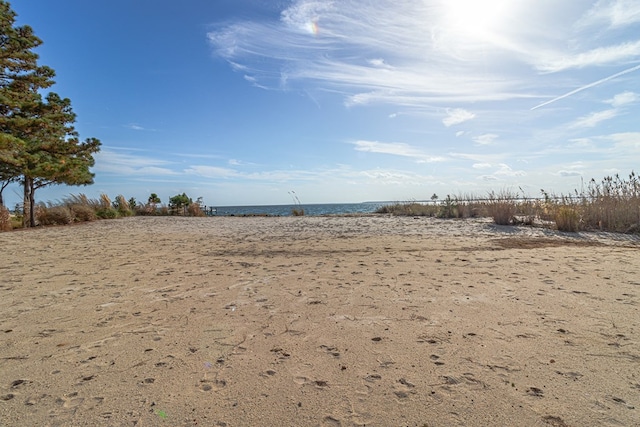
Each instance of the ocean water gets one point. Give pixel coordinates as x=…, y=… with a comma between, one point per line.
x=309, y=209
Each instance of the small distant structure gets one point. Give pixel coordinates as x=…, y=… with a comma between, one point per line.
x=209, y=210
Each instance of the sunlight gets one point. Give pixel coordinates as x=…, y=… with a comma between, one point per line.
x=474, y=18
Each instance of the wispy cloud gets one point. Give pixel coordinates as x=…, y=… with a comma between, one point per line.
x=211, y=172
x=593, y=119
x=620, y=53
x=481, y=165
x=396, y=149
x=399, y=53
x=569, y=173
x=588, y=86
x=417, y=54
x=137, y=127
x=126, y=163
x=456, y=116
x=485, y=139
x=616, y=14
x=622, y=99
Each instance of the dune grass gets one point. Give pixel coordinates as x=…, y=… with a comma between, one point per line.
x=610, y=205
x=613, y=204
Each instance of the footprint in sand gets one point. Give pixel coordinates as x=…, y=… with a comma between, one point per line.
x=403, y=389
x=215, y=385
x=72, y=400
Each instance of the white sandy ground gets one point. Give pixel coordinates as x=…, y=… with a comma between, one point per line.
x=318, y=321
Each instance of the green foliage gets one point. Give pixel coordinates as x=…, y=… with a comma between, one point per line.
x=449, y=208
x=38, y=143
x=154, y=199
x=179, y=203
x=179, y=200
x=107, y=213
x=121, y=205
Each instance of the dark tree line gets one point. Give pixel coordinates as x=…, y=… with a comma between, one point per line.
x=38, y=143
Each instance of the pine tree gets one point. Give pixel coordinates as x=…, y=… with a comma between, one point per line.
x=53, y=153
x=38, y=144
x=20, y=79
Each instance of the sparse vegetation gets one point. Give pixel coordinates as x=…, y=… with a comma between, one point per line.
x=502, y=207
x=5, y=219
x=610, y=205
x=298, y=210
x=53, y=215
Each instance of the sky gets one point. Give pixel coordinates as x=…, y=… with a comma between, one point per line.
x=241, y=102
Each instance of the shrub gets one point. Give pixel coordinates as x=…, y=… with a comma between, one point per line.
x=107, y=213
x=409, y=209
x=449, y=208
x=53, y=215
x=145, y=210
x=83, y=213
x=297, y=212
x=502, y=207
x=105, y=201
x=5, y=219
x=567, y=219
x=122, y=206
x=194, y=210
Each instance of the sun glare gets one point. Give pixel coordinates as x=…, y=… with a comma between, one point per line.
x=474, y=17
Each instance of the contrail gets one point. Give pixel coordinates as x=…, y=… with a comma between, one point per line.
x=590, y=85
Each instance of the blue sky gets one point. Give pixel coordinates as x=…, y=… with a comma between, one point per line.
x=242, y=101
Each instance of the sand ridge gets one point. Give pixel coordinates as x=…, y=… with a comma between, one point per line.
x=327, y=321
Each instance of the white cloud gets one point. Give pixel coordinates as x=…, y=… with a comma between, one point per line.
x=417, y=54
x=593, y=119
x=617, y=13
x=485, y=139
x=211, y=171
x=125, y=163
x=481, y=165
x=456, y=116
x=616, y=54
x=623, y=99
x=396, y=149
x=135, y=126
x=506, y=170
x=566, y=173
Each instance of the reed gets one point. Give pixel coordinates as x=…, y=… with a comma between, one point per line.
x=5, y=219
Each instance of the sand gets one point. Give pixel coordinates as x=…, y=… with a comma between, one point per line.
x=318, y=321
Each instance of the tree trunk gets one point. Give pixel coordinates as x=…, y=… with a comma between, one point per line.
x=2, y=187
x=28, y=214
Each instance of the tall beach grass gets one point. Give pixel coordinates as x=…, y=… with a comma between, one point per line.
x=613, y=205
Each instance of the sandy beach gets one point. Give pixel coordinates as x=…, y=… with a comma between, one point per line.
x=318, y=321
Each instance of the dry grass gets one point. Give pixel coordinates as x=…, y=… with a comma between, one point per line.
x=53, y=215
x=610, y=205
x=194, y=209
x=409, y=209
x=502, y=207
x=567, y=219
x=5, y=219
